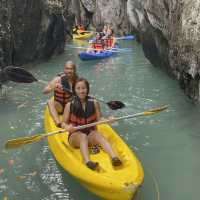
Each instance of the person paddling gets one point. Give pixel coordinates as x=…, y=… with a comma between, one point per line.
x=109, y=40
x=80, y=111
x=97, y=45
x=79, y=29
x=61, y=86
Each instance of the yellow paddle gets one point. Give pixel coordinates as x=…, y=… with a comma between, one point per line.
x=18, y=142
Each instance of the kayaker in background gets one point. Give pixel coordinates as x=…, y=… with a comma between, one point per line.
x=75, y=30
x=97, y=44
x=109, y=40
x=79, y=29
x=61, y=86
x=81, y=111
x=104, y=31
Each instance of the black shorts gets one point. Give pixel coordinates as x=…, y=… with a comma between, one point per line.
x=86, y=131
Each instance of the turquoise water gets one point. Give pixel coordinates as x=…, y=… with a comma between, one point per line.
x=167, y=144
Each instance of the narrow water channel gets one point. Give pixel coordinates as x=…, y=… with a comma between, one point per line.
x=167, y=144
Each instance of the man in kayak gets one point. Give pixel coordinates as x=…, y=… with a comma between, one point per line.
x=80, y=111
x=109, y=40
x=62, y=87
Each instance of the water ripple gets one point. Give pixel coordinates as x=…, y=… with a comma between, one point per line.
x=51, y=176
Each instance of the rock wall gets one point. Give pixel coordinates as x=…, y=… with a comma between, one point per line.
x=6, y=45
x=96, y=13
x=169, y=31
x=33, y=29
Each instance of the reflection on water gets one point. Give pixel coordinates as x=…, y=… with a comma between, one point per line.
x=52, y=177
x=167, y=143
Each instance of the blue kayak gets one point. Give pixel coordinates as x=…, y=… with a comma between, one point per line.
x=93, y=55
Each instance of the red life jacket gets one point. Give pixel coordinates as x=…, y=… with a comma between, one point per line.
x=108, y=41
x=97, y=45
x=62, y=96
x=78, y=116
x=81, y=28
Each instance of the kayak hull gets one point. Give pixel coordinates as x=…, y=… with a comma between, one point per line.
x=120, y=183
x=93, y=56
x=83, y=36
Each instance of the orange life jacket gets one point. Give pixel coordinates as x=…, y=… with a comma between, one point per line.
x=81, y=28
x=62, y=96
x=78, y=116
x=97, y=45
x=108, y=42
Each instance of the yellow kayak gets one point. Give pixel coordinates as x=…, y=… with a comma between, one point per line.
x=107, y=182
x=83, y=35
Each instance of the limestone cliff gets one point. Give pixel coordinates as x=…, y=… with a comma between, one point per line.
x=170, y=34
x=33, y=29
x=96, y=13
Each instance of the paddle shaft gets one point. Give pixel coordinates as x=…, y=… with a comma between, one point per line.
x=83, y=32
x=107, y=121
x=30, y=139
x=43, y=82
x=127, y=37
x=109, y=50
x=115, y=50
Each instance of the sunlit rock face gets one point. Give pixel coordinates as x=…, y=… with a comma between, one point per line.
x=34, y=29
x=96, y=13
x=169, y=31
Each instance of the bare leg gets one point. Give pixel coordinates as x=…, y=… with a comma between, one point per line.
x=80, y=140
x=84, y=147
x=96, y=138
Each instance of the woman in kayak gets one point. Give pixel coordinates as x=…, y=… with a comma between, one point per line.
x=62, y=88
x=97, y=44
x=83, y=110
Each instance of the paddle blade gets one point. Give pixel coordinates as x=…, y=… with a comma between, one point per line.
x=15, y=143
x=19, y=75
x=155, y=110
x=114, y=105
